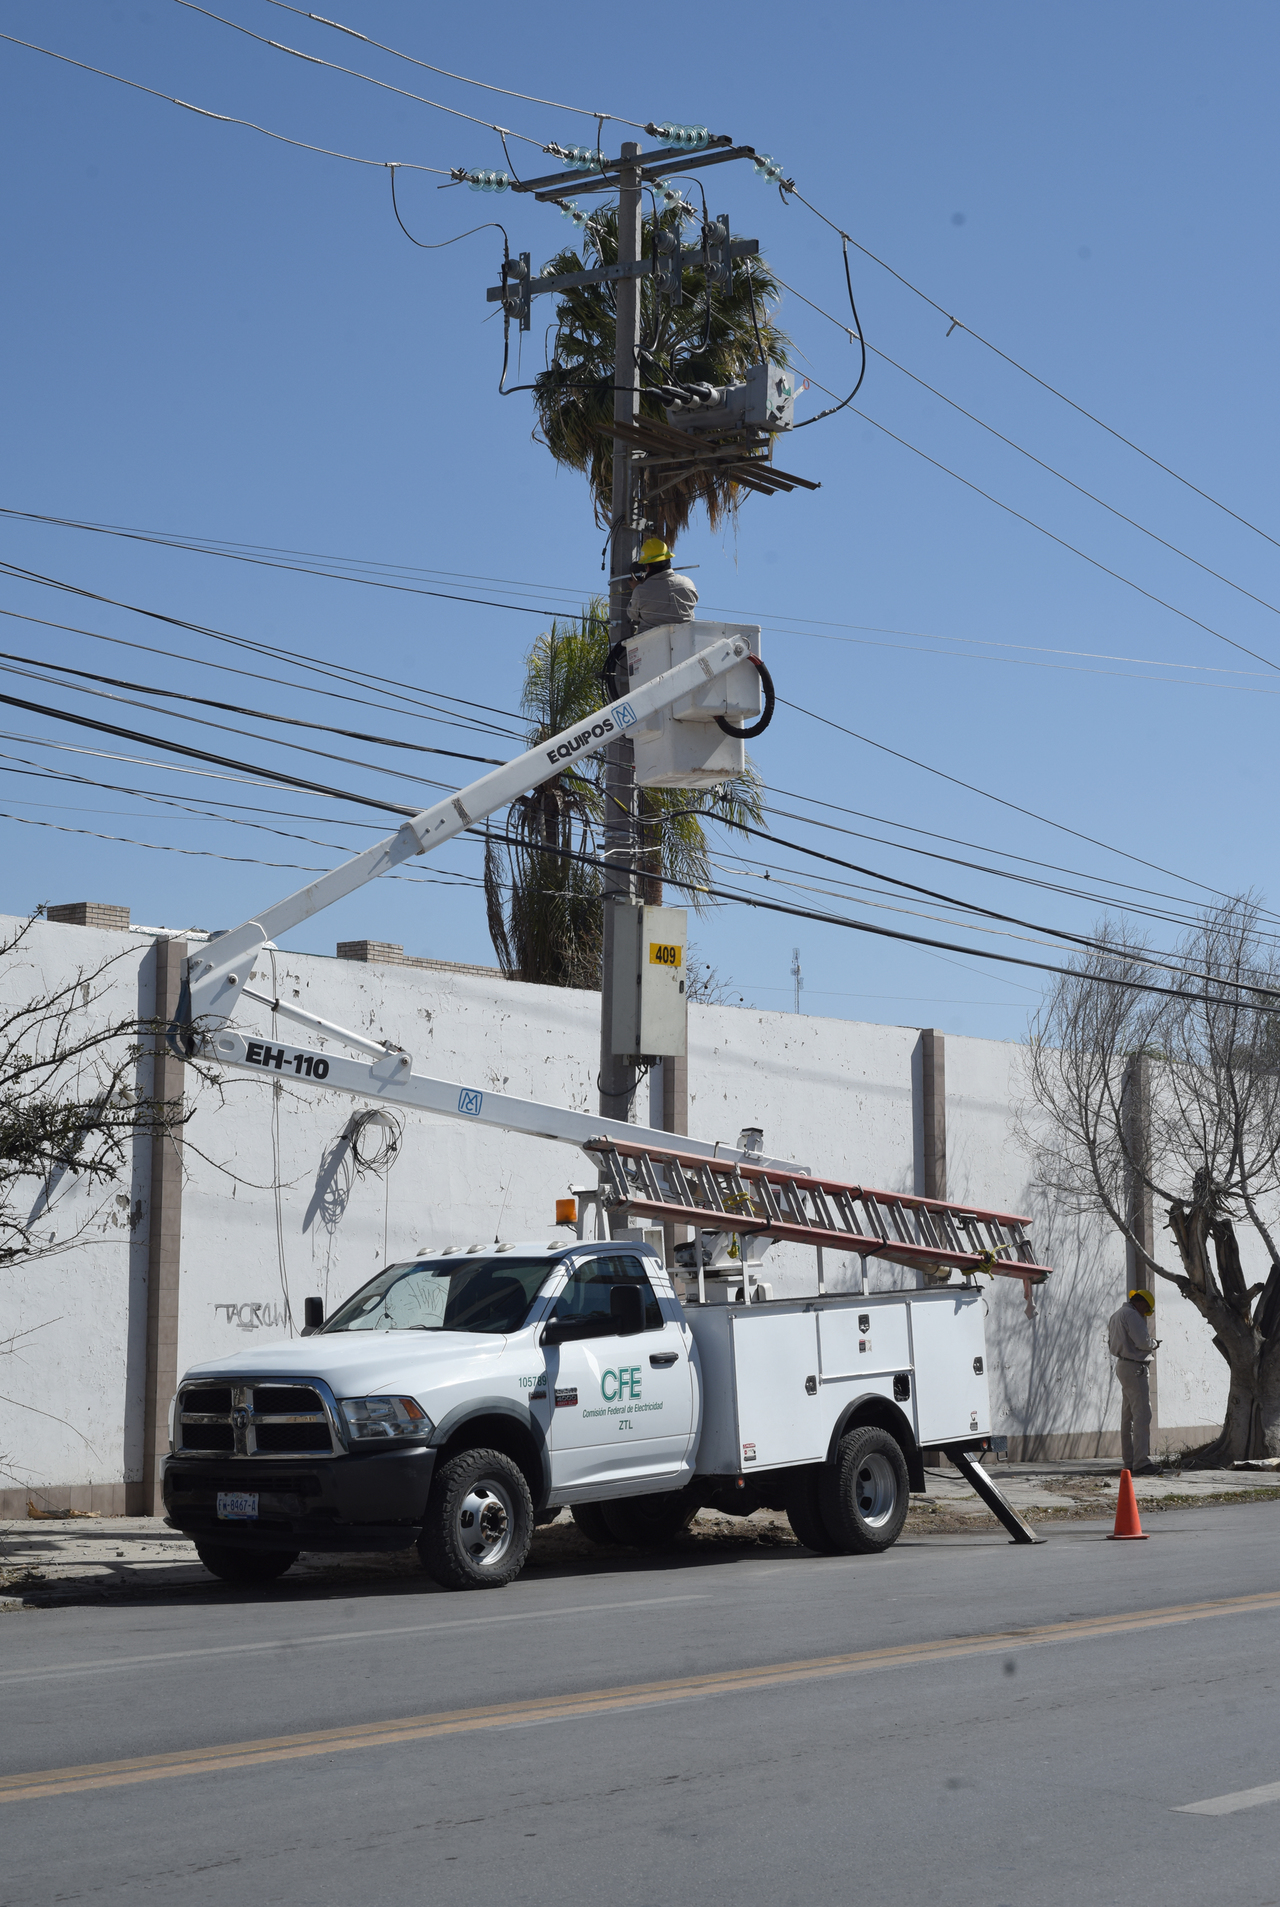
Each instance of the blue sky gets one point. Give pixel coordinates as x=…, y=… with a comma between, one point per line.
x=210, y=332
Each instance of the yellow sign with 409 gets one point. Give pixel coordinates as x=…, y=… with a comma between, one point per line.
x=664, y=954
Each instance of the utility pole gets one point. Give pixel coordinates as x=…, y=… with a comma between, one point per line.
x=796, y=974
x=741, y=453
x=618, y=1076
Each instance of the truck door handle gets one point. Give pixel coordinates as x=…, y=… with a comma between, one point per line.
x=659, y=1358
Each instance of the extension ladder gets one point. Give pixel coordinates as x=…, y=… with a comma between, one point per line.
x=724, y=1195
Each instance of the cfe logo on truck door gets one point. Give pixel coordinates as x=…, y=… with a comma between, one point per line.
x=626, y=1384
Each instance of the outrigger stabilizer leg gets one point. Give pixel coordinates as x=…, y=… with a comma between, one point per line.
x=966, y=1462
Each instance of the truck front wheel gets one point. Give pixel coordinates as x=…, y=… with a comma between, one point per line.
x=864, y=1494
x=479, y=1522
x=245, y=1565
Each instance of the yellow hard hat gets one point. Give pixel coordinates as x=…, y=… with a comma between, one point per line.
x=654, y=550
x=1148, y=1297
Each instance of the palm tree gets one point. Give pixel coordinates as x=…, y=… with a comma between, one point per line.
x=711, y=339
x=542, y=883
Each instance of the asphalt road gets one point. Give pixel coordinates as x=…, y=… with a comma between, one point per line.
x=960, y=1722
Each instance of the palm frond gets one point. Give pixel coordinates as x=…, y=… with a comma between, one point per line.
x=685, y=343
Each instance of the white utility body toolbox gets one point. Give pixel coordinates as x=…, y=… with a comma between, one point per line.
x=778, y=1377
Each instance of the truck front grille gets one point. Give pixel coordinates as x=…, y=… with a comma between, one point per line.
x=207, y=1436
x=292, y=1439
x=256, y=1420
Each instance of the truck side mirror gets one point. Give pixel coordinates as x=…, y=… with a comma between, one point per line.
x=312, y=1315
x=626, y=1308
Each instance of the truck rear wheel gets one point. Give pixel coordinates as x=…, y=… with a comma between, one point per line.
x=865, y=1492
x=650, y=1522
x=804, y=1511
x=479, y=1522
x=245, y=1565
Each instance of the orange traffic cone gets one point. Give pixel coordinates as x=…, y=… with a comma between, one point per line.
x=1128, y=1529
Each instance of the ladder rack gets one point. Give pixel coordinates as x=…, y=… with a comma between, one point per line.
x=730, y=1195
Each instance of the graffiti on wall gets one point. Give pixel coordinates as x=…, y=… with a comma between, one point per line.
x=255, y=1317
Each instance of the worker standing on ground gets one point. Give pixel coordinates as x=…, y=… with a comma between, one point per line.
x=1132, y=1347
x=658, y=595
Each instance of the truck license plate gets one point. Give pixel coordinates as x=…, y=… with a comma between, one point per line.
x=238, y=1506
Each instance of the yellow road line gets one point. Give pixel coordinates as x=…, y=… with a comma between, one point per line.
x=43, y=1782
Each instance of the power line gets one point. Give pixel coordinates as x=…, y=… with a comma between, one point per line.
x=584, y=112
x=44, y=772
x=276, y=652
x=972, y=789
x=919, y=940
x=909, y=759
x=203, y=721
x=1062, y=542
x=386, y=86
x=230, y=548
x=957, y=324
x=770, y=907
x=208, y=854
x=167, y=540
x=1087, y=941
x=250, y=675
x=1025, y=662
x=882, y=902
x=233, y=708
x=907, y=827
x=251, y=780
x=742, y=828
x=227, y=119
x=369, y=582
x=1002, y=873
x=198, y=754
x=1038, y=461
x=334, y=671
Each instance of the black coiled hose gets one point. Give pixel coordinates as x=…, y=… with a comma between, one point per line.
x=756, y=728
x=610, y=663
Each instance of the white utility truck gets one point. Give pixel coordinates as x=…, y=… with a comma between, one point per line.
x=463, y=1396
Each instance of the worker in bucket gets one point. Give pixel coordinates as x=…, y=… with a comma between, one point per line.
x=658, y=595
x=1132, y=1347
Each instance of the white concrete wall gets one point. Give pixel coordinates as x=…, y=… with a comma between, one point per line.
x=274, y=1210
x=1050, y=1375
x=73, y=1317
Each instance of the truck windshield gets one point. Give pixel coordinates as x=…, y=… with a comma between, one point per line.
x=462, y=1294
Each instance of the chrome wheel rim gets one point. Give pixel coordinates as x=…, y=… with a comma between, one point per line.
x=485, y=1523
x=875, y=1490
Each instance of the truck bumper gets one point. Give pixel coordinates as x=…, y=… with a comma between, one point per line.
x=373, y=1502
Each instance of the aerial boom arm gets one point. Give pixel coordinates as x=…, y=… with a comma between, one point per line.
x=216, y=976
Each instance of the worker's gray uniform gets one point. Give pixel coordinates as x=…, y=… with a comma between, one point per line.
x=1131, y=1346
x=665, y=597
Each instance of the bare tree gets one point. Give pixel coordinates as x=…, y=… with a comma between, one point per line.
x=70, y=1107
x=1196, y=1129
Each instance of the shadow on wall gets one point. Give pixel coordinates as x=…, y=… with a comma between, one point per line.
x=332, y=1191
x=330, y=1197
x=1055, y=1371
x=367, y=1146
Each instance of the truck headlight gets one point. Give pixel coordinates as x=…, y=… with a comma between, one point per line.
x=371, y=1418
